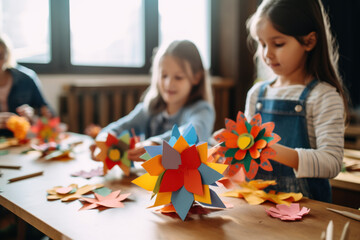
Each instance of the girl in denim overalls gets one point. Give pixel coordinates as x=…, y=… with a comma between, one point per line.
x=305, y=100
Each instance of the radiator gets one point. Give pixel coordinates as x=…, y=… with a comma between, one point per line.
x=84, y=104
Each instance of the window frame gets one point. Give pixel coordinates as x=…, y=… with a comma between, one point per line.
x=60, y=62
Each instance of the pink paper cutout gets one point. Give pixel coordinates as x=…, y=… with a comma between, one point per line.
x=89, y=174
x=64, y=190
x=113, y=200
x=288, y=213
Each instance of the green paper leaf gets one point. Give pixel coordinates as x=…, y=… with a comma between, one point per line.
x=231, y=152
x=260, y=135
x=157, y=185
x=247, y=161
x=248, y=127
x=104, y=191
x=145, y=156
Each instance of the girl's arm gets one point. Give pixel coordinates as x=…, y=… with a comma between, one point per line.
x=201, y=115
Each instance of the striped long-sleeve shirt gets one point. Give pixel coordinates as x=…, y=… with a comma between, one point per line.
x=325, y=123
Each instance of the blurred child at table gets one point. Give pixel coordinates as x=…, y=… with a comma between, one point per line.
x=20, y=89
x=179, y=93
x=306, y=100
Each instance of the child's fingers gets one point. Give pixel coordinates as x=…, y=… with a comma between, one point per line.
x=135, y=153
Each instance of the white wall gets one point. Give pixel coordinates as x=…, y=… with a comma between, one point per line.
x=53, y=85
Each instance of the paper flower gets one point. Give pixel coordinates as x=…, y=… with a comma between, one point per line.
x=114, y=152
x=252, y=192
x=19, y=126
x=113, y=200
x=70, y=193
x=47, y=130
x=288, y=213
x=247, y=145
x=178, y=173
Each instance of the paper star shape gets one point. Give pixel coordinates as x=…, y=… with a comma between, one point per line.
x=252, y=192
x=114, y=152
x=287, y=213
x=113, y=200
x=70, y=193
x=178, y=173
x=247, y=145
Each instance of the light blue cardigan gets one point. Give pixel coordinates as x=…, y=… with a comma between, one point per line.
x=158, y=127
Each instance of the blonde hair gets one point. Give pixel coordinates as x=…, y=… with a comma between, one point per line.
x=10, y=61
x=187, y=55
x=297, y=19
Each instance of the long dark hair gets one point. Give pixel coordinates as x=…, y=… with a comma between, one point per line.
x=298, y=18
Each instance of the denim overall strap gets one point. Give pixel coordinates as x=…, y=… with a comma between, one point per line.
x=289, y=117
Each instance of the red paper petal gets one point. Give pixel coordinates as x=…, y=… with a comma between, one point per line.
x=275, y=140
x=190, y=158
x=172, y=181
x=111, y=140
x=192, y=181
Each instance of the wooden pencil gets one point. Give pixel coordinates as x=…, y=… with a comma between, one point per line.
x=10, y=166
x=25, y=176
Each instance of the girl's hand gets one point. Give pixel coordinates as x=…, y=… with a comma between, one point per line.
x=135, y=153
x=25, y=111
x=4, y=116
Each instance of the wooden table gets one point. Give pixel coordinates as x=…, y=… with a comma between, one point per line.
x=59, y=220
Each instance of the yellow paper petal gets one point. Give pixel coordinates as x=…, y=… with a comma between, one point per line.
x=181, y=144
x=153, y=166
x=206, y=198
x=146, y=181
x=219, y=167
x=253, y=199
x=125, y=138
x=202, y=150
x=162, y=199
x=234, y=193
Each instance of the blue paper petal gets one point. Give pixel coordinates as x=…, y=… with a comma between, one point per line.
x=154, y=150
x=182, y=201
x=175, y=132
x=215, y=200
x=190, y=135
x=208, y=175
x=172, y=141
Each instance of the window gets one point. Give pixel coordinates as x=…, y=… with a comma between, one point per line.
x=108, y=36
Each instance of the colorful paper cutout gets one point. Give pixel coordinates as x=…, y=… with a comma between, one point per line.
x=89, y=174
x=113, y=200
x=114, y=152
x=287, y=213
x=59, y=192
x=178, y=173
x=247, y=145
x=19, y=126
x=47, y=130
x=252, y=192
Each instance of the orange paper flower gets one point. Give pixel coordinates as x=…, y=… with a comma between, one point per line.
x=19, y=126
x=247, y=145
